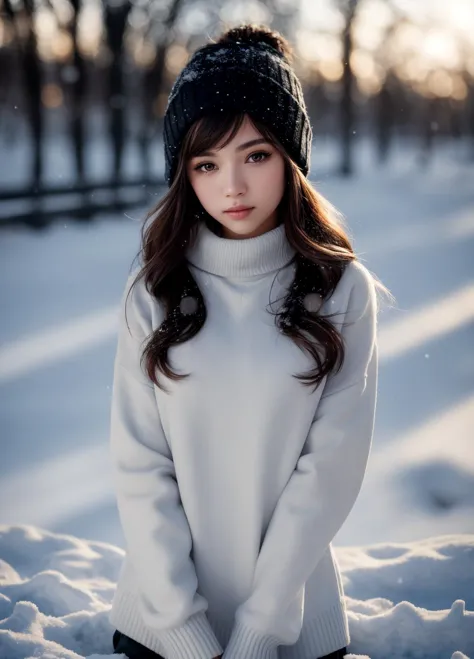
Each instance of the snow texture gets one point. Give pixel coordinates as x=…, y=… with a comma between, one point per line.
x=403, y=599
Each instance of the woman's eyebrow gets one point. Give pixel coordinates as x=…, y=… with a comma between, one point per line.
x=241, y=147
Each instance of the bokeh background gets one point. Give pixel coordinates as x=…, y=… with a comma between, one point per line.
x=389, y=86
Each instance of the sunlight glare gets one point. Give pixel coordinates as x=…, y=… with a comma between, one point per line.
x=430, y=322
x=439, y=47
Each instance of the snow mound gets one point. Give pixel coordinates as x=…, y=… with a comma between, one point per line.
x=404, y=600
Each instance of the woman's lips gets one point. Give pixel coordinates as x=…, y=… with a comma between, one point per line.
x=239, y=215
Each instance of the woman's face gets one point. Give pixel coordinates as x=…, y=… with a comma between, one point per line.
x=243, y=173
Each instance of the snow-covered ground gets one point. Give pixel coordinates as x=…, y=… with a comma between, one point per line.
x=404, y=600
x=407, y=548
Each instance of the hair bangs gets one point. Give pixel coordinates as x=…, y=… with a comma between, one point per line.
x=211, y=131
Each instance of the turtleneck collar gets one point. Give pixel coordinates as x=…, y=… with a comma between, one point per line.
x=245, y=257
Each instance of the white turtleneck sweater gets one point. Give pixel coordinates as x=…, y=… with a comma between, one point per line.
x=231, y=487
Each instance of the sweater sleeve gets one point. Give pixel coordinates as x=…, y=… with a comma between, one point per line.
x=319, y=493
x=156, y=531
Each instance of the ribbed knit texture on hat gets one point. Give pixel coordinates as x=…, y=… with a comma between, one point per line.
x=247, y=77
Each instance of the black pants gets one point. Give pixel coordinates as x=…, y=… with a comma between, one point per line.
x=134, y=650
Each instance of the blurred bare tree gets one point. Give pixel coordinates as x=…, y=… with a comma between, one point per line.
x=21, y=18
x=348, y=9
x=77, y=81
x=115, y=22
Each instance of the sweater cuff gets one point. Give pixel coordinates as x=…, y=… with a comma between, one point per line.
x=251, y=644
x=193, y=640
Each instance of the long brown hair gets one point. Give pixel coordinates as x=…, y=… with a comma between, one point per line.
x=312, y=227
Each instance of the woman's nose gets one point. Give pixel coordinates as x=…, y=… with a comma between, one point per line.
x=234, y=183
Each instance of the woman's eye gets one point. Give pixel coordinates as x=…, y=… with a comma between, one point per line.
x=260, y=153
x=198, y=168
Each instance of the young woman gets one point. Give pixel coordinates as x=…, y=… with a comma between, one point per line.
x=245, y=378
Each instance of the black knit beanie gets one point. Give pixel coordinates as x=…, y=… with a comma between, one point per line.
x=245, y=75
